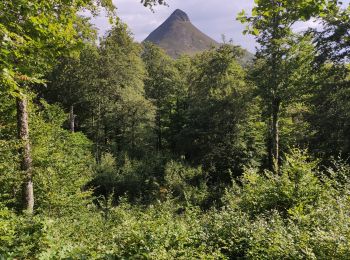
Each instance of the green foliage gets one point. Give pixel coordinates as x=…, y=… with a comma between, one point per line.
x=163, y=88
x=20, y=236
x=218, y=105
x=299, y=214
x=62, y=162
x=294, y=215
x=105, y=85
x=34, y=33
x=283, y=72
x=296, y=189
x=266, y=14
x=154, y=233
x=176, y=164
x=332, y=42
x=10, y=179
x=186, y=184
x=294, y=75
x=151, y=3
x=138, y=181
x=7, y=231
x=330, y=112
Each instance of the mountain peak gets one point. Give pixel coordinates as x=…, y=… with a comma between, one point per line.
x=179, y=15
x=177, y=36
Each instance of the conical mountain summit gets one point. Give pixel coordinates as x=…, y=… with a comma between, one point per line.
x=177, y=36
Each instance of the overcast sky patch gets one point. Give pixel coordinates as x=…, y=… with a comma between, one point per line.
x=214, y=18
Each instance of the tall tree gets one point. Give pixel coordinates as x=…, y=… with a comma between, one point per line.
x=161, y=85
x=33, y=34
x=64, y=86
x=330, y=115
x=114, y=92
x=217, y=105
x=271, y=22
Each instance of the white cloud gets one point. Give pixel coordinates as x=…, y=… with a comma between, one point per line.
x=213, y=17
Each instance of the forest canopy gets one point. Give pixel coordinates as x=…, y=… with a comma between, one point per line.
x=111, y=149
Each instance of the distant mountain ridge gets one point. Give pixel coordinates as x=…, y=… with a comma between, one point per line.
x=177, y=36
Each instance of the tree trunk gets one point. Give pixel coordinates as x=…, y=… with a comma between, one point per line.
x=159, y=132
x=133, y=135
x=72, y=119
x=26, y=160
x=98, y=134
x=105, y=135
x=275, y=136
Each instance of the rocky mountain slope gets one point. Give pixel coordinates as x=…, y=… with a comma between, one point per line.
x=177, y=35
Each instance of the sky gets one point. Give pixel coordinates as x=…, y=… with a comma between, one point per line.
x=213, y=17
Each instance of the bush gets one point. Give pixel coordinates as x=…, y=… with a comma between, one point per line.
x=140, y=181
x=298, y=187
x=20, y=236
x=299, y=214
x=303, y=213
x=187, y=184
x=61, y=161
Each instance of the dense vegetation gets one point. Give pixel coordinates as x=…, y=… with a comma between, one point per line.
x=117, y=151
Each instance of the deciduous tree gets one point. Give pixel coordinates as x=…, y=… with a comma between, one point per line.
x=283, y=59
